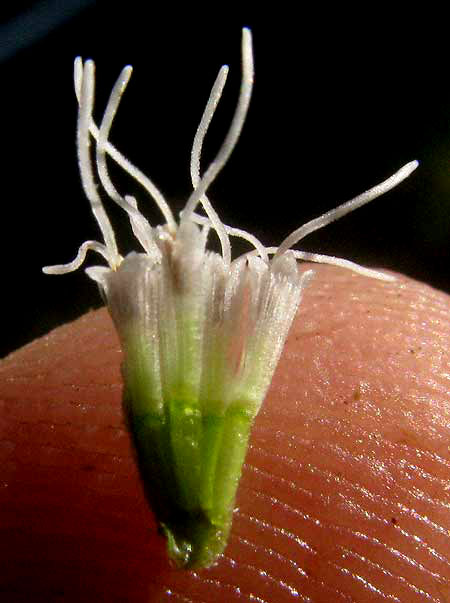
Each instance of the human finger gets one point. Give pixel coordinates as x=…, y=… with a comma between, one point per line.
x=345, y=493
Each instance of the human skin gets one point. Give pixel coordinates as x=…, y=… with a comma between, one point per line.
x=345, y=493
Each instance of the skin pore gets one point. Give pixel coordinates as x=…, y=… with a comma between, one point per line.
x=345, y=493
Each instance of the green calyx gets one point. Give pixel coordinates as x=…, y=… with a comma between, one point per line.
x=191, y=463
x=201, y=341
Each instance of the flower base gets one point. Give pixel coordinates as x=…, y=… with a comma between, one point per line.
x=191, y=465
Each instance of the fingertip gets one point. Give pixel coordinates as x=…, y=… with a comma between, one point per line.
x=346, y=469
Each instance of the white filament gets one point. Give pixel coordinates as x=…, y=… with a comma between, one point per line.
x=84, y=160
x=76, y=263
x=211, y=105
x=84, y=88
x=347, y=207
x=235, y=129
x=139, y=224
x=142, y=230
x=307, y=256
x=124, y=163
x=237, y=232
x=196, y=152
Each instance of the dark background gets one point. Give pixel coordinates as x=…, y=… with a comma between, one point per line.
x=342, y=99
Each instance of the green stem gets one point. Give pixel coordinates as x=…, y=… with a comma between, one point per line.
x=191, y=466
x=155, y=459
x=185, y=425
x=233, y=448
x=205, y=531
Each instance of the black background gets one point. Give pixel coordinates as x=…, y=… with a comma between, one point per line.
x=342, y=99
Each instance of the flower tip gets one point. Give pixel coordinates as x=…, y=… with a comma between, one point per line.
x=247, y=45
x=412, y=165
